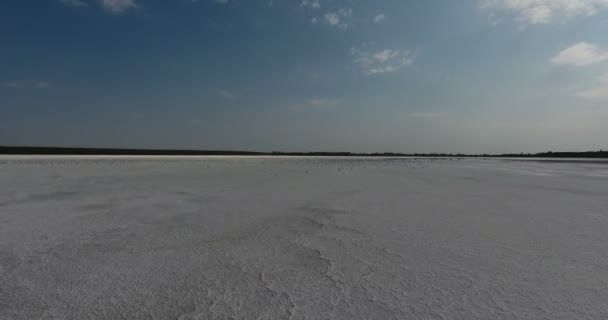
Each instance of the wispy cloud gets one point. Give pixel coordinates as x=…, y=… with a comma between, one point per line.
x=41, y=84
x=379, y=18
x=223, y=1
x=13, y=84
x=337, y=18
x=529, y=12
x=321, y=104
x=598, y=92
x=580, y=54
x=74, y=3
x=315, y=4
x=113, y=6
x=118, y=6
x=427, y=115
x=381, y=61
x=227, y=94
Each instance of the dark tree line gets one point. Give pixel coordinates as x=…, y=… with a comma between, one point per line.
x=120, y=152
x=157, y=152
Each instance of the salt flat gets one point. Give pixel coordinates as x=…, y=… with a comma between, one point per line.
x=302, y=238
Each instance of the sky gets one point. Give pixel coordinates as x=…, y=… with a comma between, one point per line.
x=472, y=76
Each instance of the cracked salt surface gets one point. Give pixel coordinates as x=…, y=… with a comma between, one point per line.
x=302, y=238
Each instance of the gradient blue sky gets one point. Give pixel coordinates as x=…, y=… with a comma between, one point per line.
x=306, y=75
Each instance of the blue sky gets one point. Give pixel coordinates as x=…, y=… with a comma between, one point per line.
x=306, y=75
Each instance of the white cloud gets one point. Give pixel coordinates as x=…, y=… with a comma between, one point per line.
x=580, y=54
x=114, y=6
x=336, y=19
x=315, y=4
x=118, y=6
x=74, y=3
x=379, y=18
x=527, y=12
x=381, y=61
x=332, y=18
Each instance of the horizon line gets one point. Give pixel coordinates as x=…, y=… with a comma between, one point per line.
x=51, y=150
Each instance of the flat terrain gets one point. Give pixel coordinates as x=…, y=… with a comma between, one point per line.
x=302, y=238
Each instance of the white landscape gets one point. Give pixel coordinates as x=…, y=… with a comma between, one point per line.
x=302, y=238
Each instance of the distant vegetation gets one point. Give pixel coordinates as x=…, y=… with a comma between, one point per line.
x=157, y=152
x=552, y=154
x=118, y=152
